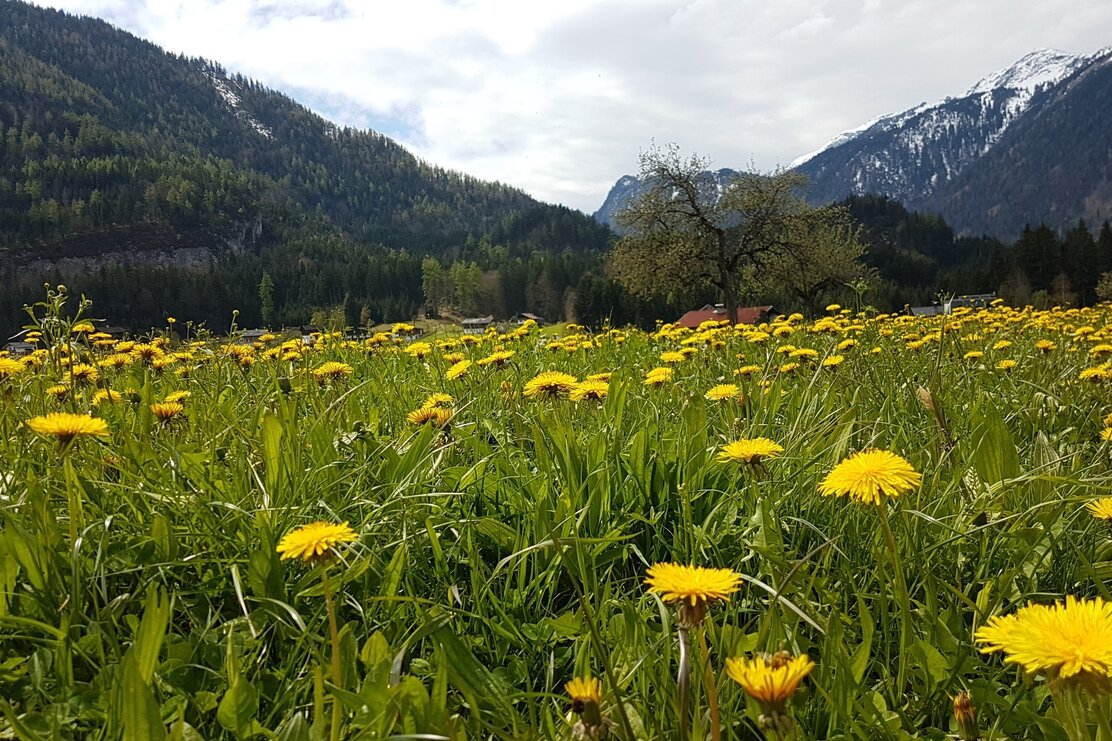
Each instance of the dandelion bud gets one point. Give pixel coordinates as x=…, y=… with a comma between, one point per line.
x=586, y=697
x=926, y=398
x=966, y=717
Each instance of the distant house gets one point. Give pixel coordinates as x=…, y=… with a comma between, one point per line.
x=113, y=331
x=251, y=336
x=973, y=301
x=18, y=349
x=307, y=331
x=477, y=325
x=523, y=316
x=717, y=313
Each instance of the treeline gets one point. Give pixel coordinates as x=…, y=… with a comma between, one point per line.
x=310, y=273
x=917, y=257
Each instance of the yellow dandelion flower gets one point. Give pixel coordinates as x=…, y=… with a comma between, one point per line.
x=458, y=370
x=550, y=384
x=453, y=357
x=1006, y=365
x=103, y=395
x=1045, y=346
x=748, y=370
x=1101, y=509
x=693, y=585
x=869, y=476
x=1096, y=374
x=751, y=451
x=433, y=401
x=973, y=355
x=583, y=690
x=607, y=376
x=315, y=541
x=658, y=376
x=497, y=358
x=772, y=680
x=723, y=392
x=1071, y=639
x=586, y=696
x=331, y=371
x=176, y=396
x=589, y=390
x=10, y=367
x=167, y=410
x=82, y=373
x=66, y=427
x=58, y=391
x=1001, y=345
x=672, y=357
x=439, y=416
x=117, y=360
x=163, y=362
x=1106, y=434
x=144, y=351
x=832, y=361
x=419, y=350
x=1108, y=420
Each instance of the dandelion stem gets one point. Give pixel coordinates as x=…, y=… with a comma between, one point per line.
x=683, y=680
x=334, y=633
x=904, y=600
x=1104, y=729
x=1070, y=709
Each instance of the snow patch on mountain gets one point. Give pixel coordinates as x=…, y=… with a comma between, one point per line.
x=890, y=120
x=236, y=105
x=1039, y=69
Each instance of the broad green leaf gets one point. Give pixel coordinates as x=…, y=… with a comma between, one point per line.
x=238, y=707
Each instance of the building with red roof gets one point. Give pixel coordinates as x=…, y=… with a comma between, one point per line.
x=717, y=313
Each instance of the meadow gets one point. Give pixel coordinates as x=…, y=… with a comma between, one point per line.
x=490, y=508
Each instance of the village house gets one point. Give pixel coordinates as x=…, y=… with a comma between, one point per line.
x=477, y=325
x=717, y=313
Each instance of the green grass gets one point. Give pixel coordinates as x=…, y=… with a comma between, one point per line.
x=141, y=593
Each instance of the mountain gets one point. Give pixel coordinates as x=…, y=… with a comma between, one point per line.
x=1053, y=165
x=114, y=152
x=1015, y=131
x=923, y=157
x=629, y=186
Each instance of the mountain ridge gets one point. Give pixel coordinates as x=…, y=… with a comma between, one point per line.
x=920, y=156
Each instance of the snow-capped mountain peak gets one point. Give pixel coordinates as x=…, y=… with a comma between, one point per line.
x=1040, y=67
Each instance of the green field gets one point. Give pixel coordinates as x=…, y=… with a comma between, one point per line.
x=501, y=544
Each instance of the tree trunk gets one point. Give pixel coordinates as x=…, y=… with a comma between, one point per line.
x=729, y=299
x=729, y=285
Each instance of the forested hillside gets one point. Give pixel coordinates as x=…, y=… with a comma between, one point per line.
x=119, y=161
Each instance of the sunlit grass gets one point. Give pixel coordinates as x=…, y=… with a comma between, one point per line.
x=501, y=549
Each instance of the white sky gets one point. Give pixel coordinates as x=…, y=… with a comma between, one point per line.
x=558, y=97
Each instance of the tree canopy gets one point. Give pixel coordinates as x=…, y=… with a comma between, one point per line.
x=692, y=228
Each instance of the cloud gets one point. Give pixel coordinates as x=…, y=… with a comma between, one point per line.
x=559, y=97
